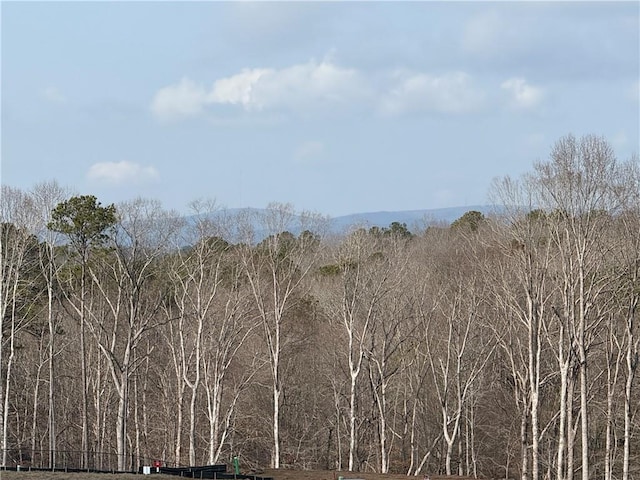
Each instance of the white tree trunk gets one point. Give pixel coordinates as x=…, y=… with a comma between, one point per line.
x=352, y=419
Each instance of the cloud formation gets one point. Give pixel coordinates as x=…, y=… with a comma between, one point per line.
x=299, y=87
x=322, y=85
x=239, y=89
x=121, y=173
x=305, y=85
x=522, y=94
x=452, y=93
x=179, y=101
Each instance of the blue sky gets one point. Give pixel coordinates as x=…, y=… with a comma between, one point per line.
x=335, y=107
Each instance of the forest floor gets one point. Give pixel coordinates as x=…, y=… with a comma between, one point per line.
x=280, y=474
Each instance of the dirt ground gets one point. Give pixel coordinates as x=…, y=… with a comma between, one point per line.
x=333, y=475
x=275, y=474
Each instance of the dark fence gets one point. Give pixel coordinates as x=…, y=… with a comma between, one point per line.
x=69, y=460
x=76, y=461
x=208, y=471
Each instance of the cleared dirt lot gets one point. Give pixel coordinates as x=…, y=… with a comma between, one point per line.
x=333, y=475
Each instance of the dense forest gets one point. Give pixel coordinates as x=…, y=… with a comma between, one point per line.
x=503, y=345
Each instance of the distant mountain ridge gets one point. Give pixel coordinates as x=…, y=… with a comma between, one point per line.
x=414, y=219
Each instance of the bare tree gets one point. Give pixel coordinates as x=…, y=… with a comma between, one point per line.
x=579, y=190
x=522, y=294
x=196, y=273
x=391, y=328
x=211, y=325
x=423, y=278
x=275, y=268
x=145, y=233
x=495, y=345
x=456, y=346
x=18, y=248
x=45, y=197
x=84, y=221
x=357, y=279
x=628, y=226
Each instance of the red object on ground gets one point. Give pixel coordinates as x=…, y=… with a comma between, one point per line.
x=157, y=463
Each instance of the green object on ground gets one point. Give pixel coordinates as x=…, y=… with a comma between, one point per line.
x=236, y=465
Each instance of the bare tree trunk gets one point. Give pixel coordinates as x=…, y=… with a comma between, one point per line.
x=177, y=453
x=136, y=420
x=631, y=357
x=122, y=387
x=412, y=436
x=46, y=197
x=214, y=400
x=83, y=369
x=474, y=452
x=338, y=420
x=631, y=325
x=427, y=455
x=631, y=366
x=460, y=457
x=584, y=386
x=584, y=423
x=179, y=401
x=534, y=384
x=51, y=364
x=571, y=428
x=275, y=461
x=194, y=386
x=145, y=415
x=524, y=444
x=36, y=394
x=380, y=401
x=562, y=427
x=7, y=388
x=613, y=363
x=100, y=410
x=354, y=371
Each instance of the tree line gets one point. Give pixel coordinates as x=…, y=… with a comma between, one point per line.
x=504, y=345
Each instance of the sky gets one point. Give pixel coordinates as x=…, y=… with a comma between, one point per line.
x=334, y=107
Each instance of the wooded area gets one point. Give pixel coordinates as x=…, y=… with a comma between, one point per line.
x=505, y=345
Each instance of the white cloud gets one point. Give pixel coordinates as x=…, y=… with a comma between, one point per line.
x=318, y=86
x=448, y=93
x=297, y=88
x=53, y=95
x=118, y=173
x=314, y=84
x=522, y=95
x=239, y=89
x=308, y=151
x=178, y=101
